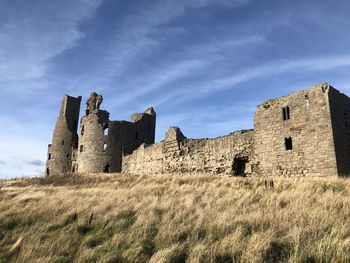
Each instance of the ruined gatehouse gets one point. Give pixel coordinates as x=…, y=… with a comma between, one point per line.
x=306, y=133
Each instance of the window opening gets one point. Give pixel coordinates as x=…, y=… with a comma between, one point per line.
x=81, y=148
x=286, y=113
x=49, y=156
x=288, y=143
x=107, y=168
x=47, y=171
x=82, y=130
x=74, y=168
x=104, y=147
x=106, y=131
x=75, y=125
x=62, y=142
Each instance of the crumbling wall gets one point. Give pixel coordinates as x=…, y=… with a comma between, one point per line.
x=147, y=159
x=293, y=135
x=140, y=130
x=230, y=155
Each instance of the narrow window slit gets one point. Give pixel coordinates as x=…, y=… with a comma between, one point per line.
x=288, y=143
x=285, y=113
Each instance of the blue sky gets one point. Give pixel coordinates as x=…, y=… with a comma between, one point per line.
x=203, y=64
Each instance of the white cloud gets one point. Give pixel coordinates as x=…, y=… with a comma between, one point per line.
x=22, y=155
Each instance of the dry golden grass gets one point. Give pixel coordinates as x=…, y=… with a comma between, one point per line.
x=125, y=218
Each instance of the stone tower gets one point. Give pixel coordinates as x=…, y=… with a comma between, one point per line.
x=95, y=152
x=102, y=142
x=306, y=133
x=65, y=138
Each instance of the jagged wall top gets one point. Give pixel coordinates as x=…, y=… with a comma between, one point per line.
x=138, y=116
x=324, y=87
x=93, y=103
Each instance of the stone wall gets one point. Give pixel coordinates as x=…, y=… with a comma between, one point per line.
x=230, y=155
x=293, y=135
x=340, y=112
x=306, y=133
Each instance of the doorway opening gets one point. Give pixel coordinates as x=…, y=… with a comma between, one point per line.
x=239, y=165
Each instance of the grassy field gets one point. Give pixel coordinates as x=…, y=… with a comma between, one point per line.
x=125, y=218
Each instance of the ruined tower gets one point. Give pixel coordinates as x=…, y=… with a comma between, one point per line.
x=65, y=138
x=103, y=142
x=94, y=153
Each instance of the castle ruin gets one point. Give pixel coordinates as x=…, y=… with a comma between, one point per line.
x=306, y=133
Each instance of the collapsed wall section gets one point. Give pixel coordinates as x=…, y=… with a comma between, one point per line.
x=293, y=135
x=230, y=155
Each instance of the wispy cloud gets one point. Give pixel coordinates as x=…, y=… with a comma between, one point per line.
x=275, y=68
x=31, y=36
x=35, y=162
x=133, y=37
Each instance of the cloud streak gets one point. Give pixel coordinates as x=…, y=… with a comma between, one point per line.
x=35, y=162
x=30, y=38
x=276, y=68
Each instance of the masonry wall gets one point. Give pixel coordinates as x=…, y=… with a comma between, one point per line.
x=141, y=129
x=340, y=112
x=309, y=128
x=176, y=154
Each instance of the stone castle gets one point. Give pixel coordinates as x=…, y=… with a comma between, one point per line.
x=306, y=133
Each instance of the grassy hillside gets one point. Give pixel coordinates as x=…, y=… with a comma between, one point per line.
x=124, y=218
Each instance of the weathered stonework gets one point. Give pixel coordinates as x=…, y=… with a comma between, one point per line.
x=309, y=129
x=229, y=155
x=306, y=133
x=65, y=137
x=101, y=143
